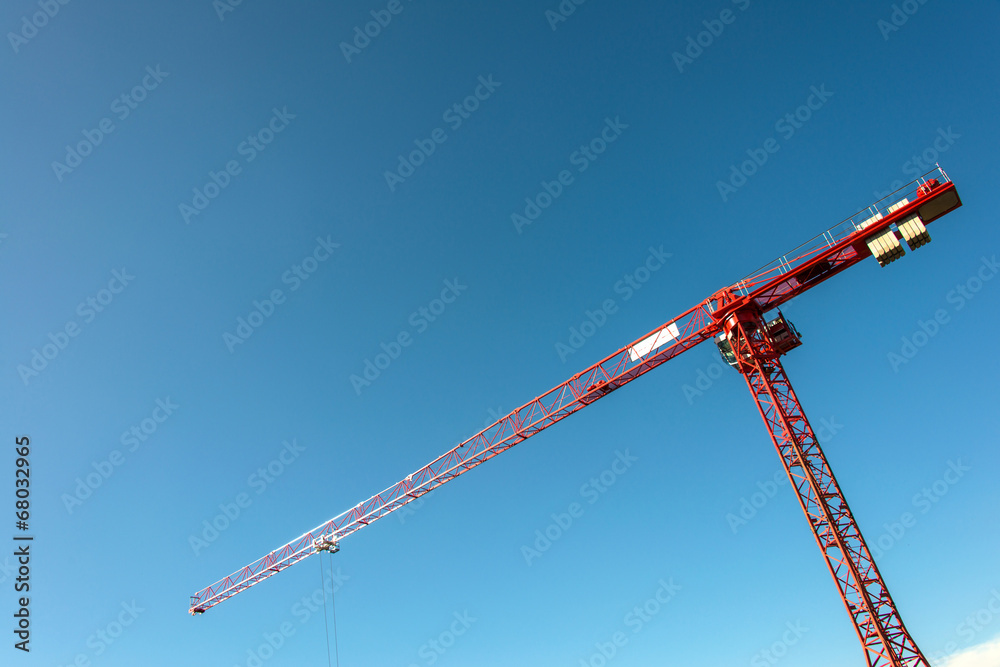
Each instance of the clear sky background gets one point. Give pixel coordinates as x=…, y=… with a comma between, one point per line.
x=927, y=90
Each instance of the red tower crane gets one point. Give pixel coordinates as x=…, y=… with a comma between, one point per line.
x=751, y=341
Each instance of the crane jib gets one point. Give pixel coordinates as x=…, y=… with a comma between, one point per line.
x=874, y=231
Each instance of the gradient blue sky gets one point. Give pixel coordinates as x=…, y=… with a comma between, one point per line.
x=895, y=430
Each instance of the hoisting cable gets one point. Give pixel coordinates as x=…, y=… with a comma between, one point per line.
x=333, y=608
x=326, y=623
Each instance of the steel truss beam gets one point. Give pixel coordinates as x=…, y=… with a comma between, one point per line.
x=838, y=248
x=883, y=636
x=659, y=346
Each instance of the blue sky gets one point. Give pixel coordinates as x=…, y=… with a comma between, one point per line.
x=171, y=167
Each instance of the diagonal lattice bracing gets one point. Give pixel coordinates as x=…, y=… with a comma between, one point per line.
x=883, y=636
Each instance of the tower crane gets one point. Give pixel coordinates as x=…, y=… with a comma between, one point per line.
x=745, y=322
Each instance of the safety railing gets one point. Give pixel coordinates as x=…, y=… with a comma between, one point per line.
x=793, y=259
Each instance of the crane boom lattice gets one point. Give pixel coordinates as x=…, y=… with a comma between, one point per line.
x=735, y=318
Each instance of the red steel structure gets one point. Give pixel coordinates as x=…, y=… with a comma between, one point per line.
x=735, y=317
x=881, y=630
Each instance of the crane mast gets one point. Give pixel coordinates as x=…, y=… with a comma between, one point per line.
x=736, y=318
x=756, y=347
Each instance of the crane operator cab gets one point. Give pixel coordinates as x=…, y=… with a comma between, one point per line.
x=781, y=333
x=726, y=350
